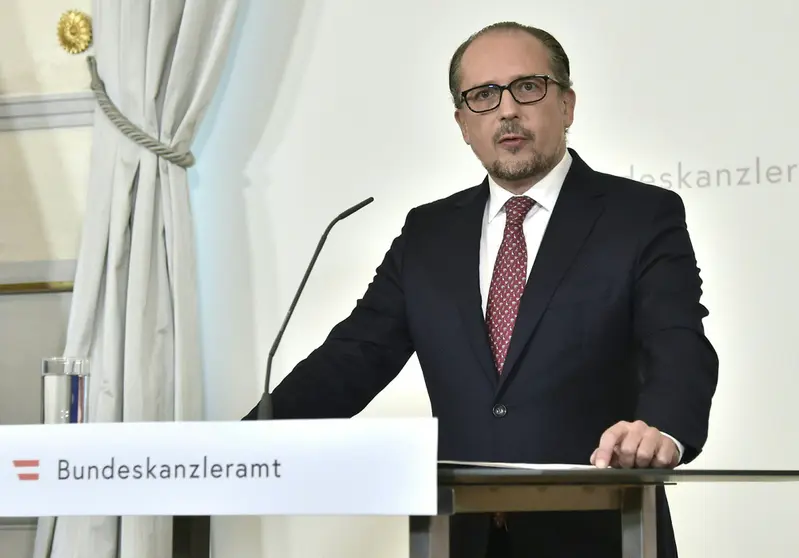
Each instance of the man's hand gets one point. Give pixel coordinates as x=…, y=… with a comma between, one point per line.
x=635, y=444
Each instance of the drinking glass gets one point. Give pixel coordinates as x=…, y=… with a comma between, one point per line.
x=65, y=390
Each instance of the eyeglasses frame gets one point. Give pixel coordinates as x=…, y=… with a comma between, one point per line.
x=546, y=77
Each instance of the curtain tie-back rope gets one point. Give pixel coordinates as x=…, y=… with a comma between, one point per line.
x=130, y=130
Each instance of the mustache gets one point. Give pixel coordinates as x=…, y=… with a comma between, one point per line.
x=513, y=127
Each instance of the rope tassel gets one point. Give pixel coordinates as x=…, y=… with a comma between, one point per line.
x=130, y=130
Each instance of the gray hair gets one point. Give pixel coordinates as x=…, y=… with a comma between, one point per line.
x=558, y=60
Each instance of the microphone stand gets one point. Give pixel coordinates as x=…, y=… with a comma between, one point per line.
x=265, y=411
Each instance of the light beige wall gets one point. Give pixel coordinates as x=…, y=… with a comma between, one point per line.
x=43, y=178
x=43, y=173
x=31, y=60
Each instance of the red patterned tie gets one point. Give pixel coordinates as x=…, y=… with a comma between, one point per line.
x=507, y=283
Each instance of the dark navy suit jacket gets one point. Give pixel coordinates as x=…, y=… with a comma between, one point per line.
x=609, y=329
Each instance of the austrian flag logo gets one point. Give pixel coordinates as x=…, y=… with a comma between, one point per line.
x=27, y=469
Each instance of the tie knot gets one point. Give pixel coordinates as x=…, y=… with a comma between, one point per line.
x=517, y=209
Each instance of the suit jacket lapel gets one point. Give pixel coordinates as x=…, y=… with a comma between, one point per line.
x=577, y=209
x=462, y=274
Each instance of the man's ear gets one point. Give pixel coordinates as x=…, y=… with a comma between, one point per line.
x=462, y=125
x=568, y=102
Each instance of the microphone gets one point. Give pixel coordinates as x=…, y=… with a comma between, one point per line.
x=265, y=405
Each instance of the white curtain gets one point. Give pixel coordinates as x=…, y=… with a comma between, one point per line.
x=134, y=310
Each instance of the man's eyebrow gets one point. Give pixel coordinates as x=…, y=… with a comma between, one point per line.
x=496, y=82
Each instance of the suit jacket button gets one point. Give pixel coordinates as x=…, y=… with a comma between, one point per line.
x=500, y=411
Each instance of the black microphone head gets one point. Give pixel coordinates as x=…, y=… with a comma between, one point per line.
x=356, y=207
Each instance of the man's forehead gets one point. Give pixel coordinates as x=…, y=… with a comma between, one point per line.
x=503, y=55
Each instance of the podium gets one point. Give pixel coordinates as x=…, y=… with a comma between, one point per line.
x=471, y=489
x=193, y=471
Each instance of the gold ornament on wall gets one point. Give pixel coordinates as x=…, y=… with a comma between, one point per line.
x=75, y=31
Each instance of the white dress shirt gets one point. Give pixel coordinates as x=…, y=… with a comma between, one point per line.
x=545, y=193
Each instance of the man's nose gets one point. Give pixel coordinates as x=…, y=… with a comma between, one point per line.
x=508, y=107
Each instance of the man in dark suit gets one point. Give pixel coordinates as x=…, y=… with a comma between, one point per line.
x=554, y=310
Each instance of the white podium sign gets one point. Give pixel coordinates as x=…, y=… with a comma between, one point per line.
x=309, y=467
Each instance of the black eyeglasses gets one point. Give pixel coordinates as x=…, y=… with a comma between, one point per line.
x=525, y=91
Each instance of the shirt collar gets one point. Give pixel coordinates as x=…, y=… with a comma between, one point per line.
x=544, y=192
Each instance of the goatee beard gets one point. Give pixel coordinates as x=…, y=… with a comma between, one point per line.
x=516, y=171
